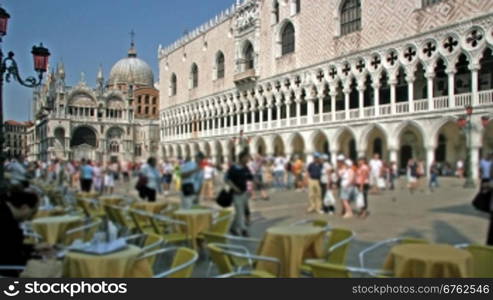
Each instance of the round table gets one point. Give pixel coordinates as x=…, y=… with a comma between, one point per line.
x=52, y=229
x=291, y=245
x=111, y=200
x=429, y=261
x=43, y=213
x=198, y=220
x=152, y=207
x=119, y=264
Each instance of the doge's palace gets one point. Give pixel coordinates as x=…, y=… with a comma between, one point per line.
x=356, y=77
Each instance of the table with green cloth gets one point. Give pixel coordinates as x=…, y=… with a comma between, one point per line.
x=121, y=264
x=291, y=245
x=429, y=261
x=52, y=229
x=197, y=220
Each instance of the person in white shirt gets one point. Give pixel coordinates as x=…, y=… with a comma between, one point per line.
x=375, y=171
x=17, y=170
x=207, y=193
x=167, y=170
x=279, y=169
x=460, y=169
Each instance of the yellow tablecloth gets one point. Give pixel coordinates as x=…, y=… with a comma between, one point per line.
x=52, y=229
x=429, y=261
x=152, y=207
x=111, y=200
x=120, y=264
x=291, y=245
x=57, y=211
x=198, y=220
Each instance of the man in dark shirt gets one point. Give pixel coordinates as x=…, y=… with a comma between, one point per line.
x=314, y=189
x=16, y=206
x=237, y=177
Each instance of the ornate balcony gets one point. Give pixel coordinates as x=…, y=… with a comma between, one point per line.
x=245, y=77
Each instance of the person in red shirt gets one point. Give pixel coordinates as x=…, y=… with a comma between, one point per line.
x=363, y=184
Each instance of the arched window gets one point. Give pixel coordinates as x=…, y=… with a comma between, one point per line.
x=173, y=84
x=195, y=76
x=298, y=6
x=288, y=40
x=275, y=11
x=249, y=56
x=220, y=65
x=350, y=16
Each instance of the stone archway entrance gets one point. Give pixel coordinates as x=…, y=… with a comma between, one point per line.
x=83, y=143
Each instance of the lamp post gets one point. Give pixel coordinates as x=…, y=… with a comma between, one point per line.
x=466, y=123
x=8, y=71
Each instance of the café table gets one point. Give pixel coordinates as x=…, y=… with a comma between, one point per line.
x=121, y=264
x=429, y=261
x=197, y=220
x=55, y=211
x=151, y=207
x=111, y=200
x=53, y=228
x=291, y=245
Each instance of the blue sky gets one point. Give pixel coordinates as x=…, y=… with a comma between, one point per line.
x=85, y=34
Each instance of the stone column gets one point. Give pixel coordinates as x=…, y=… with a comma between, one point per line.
x=269, y=116
x=333, y=98
x=321, y=104
x=429, y=84
x=278, y=109
x=311, y=110
x=376, y=91
x=393, y=157
x=252, y=117
x=288, y=113
x=238, y=121
x=361, y=99
x=231, y=121
x=410, y=93
x=430, y=157
x=393, y=84
x=333, y=157
x=474, y=81
x=347, y=91
x=298, y=111
x=475, y=162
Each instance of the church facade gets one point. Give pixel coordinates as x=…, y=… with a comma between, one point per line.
x=101, y=123
x=334, y=76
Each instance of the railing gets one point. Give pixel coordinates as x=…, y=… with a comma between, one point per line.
x=401, y=108
x=274, y=124
x=485, y=97
x=316, y=119
x=340, y=115
x=440, y=102
x=284, y=123
x=327, y=117
x=385, y=109
x=257, y=127
x=265, y=125
x=421, y=105
x=304, y=120
x=293, y=122
x=369, y=112
x=463, y=100
x=354, y=114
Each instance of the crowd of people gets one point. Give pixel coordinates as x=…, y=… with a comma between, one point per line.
x=345, y=185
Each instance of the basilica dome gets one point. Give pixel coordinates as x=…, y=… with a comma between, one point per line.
x=131, y=70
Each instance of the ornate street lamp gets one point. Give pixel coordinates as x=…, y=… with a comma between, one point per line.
x=465, y=122
x=9, y=70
